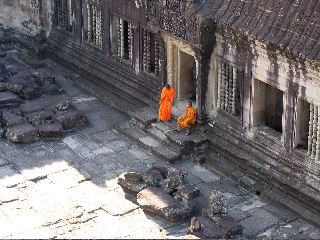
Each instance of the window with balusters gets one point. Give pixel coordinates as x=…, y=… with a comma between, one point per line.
x=93, y=27
x=229, y=89
x=151, y=53
x=63, y=15
x=122, y=39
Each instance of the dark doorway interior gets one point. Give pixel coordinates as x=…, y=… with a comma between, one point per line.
x=274, y=108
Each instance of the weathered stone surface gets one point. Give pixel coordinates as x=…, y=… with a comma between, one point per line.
x=131, y=187
x=152, y=177
x=207, y=229
x=9, y=118
x=40, y=117
x=161, y=203
x=188, y=192
x=216, y=205
x=50, y=130
x=9, y=99
x=133, y=176
x=229, y=224
x=70, y=119
x=30, y=92
x=12, y=87
x=173, y=181
x=24, y=133
x=5, y=74
x=50, y=88
x=29, y=107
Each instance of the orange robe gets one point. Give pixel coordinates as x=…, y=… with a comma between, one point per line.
x=189, y=118
x=167, y=97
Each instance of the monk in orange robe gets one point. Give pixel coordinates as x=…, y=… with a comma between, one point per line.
x=167, y=96
x=189, y=118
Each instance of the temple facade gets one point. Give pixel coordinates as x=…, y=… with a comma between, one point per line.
x=253, y=72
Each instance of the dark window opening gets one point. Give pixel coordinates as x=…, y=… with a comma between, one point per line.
x=302, y=126
x=126, y=40
x=274, y=108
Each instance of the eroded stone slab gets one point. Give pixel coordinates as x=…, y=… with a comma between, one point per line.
x=10, y=119
x=161, y=203
x=71, y=119
x=131, y=187
x=25, y=133
x=202, y=227
x=9, y=99
x=50, y=130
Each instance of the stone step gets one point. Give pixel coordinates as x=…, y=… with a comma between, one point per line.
x=156, y=147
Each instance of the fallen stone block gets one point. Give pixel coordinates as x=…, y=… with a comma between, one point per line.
x=152, y=177
x=228, y=223
x=25, y=133
x=70, y=119
x=202, y=227
x=29, y=107
x=161, y=203
x=133, y=176
x=30, y=92
x=50, y=89
x=9, y=99
x=10, y=118
x=50, y=130
x=40, y=117
x=12, y=87
x=131, y=187
x=188, y=192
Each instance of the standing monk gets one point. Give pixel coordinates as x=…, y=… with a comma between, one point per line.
x=189, y=118
x=167, y=96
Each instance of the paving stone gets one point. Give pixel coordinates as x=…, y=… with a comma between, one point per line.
x=161, y=203
x=8, y=194
x=118, y=205
x=259, y=221
x=50, y=130
x=71, y=119
x=232, y=227
x=9, y=99
x=38, y=233
x=149, y=141
x=204, y=174
x=25, y=133
x=10, y=177
x=238, y=214
x=3, y=161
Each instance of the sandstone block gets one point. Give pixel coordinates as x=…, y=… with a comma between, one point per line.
x=161, y=203
x=70, y=119
x=9, y=99
x=133, y=176
x=24, y=133
x=228, y=223
x=50, y=88
x=188, y=192
x=202, y=227
x=50, y=130
x=131, y=187
x=29, y=107
x=10, y=118
x=152, y=177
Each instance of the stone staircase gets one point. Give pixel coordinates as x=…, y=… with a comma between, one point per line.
x=161, y=138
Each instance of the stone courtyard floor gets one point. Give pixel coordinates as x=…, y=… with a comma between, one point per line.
x=68, y=188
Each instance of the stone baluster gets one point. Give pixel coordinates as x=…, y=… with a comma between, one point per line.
x=317, y=156
x=89, y=23
x=226, y=87
x=234, y=90
x=157, y=58
x=310, y=130
x=222, y=85
x=130, y=41
x=120, y=38
x=219, y=86
x=145, y=47
x=230, y=90
x=315, y=129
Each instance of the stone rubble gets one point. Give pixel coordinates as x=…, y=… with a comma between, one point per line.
x=24, y=116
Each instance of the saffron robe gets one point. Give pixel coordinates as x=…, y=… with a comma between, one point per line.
x=189, y=118
x=167, y=97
